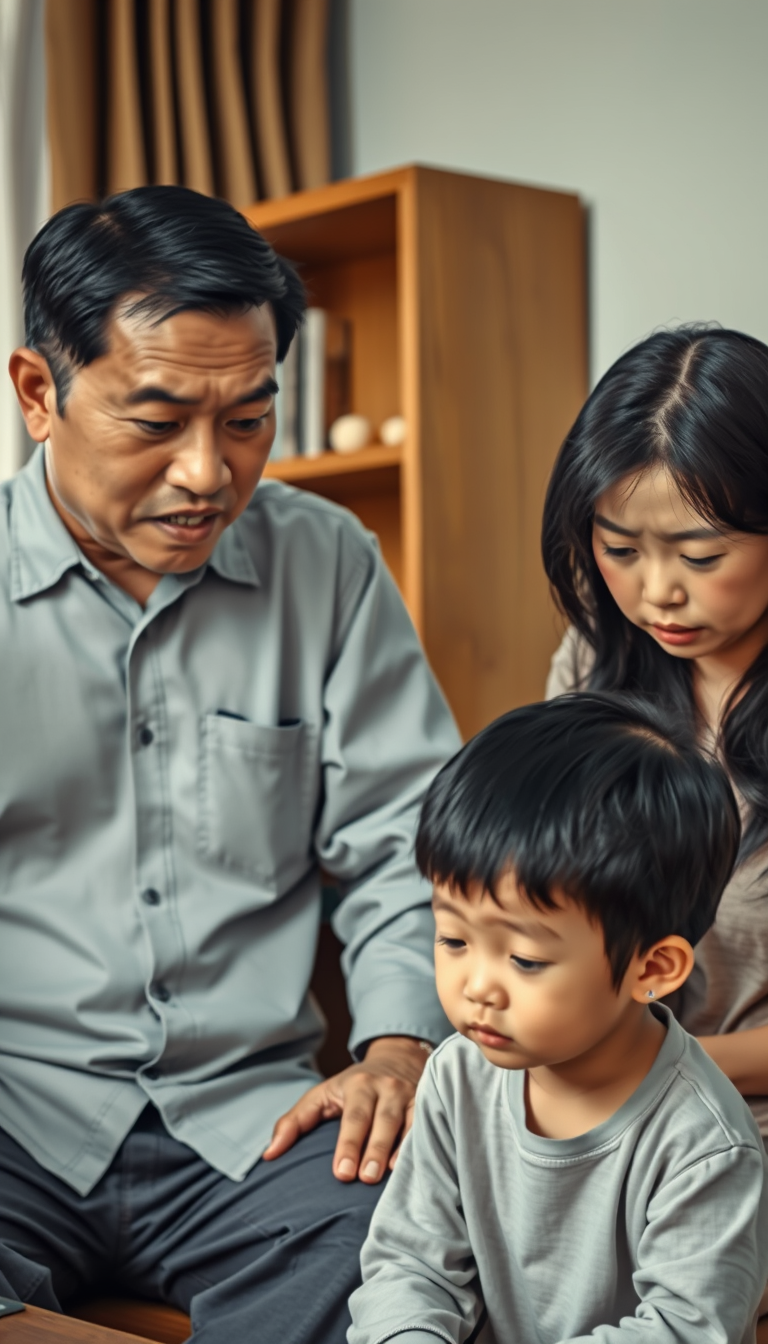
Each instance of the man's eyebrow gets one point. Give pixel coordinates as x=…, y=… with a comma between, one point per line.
x=523, y=926
x=141, y=395
x=689, y=534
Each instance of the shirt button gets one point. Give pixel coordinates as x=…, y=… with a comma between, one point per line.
x=160, y=991
x=146, y=736
x=153, y=1074
x=150, y=896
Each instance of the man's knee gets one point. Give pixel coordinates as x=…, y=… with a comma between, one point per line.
x=25, y=1281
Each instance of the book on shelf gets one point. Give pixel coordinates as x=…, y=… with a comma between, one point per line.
x=314, y=385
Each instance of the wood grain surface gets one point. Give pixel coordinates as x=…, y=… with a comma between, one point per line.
x=34, y=1326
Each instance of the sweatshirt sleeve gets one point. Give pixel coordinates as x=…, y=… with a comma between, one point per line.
x=420, y=1280
x=703, y=1258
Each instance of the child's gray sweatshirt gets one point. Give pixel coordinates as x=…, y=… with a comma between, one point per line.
x=651, y=1227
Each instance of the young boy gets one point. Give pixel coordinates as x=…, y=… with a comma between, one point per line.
x=578, y=1168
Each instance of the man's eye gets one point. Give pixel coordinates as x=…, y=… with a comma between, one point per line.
x=619, y=552
x=524, y=964
x=453, y=944
x=248, y=426
x=157, y=426
x=701, y=561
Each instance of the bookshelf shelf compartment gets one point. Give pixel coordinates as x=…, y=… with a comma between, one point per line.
x=466, y=299
x=306, y=470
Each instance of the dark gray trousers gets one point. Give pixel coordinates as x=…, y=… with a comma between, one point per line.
x=273, y=1257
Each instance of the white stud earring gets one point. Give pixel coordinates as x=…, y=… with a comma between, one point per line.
x=649, y=994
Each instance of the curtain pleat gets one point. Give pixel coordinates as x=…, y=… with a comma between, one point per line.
x=197, y=161
x=225, y=96
x=267, y=94
x=234, y=154
x=126, y=159
x=163, y=117
x=310, y=134
x=71, y=59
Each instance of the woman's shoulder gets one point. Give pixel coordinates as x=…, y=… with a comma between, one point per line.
x=571, y=665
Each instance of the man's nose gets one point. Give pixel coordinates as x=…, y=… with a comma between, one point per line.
x=198, y=466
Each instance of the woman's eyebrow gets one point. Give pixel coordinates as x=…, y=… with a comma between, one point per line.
x=689, y=534
x=602, y=521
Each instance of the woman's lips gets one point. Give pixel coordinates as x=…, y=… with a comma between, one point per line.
x=678, y=634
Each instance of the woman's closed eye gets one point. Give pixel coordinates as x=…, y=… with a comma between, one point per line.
x=701, y=561
x=619, y=552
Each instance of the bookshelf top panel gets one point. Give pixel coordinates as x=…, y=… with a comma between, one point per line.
x=357, y=229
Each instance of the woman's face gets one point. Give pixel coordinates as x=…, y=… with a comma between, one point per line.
x=696, y=591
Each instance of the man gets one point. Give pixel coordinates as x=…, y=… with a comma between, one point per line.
x=205, y=695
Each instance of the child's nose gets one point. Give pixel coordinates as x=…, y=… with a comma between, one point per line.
x=484, y=987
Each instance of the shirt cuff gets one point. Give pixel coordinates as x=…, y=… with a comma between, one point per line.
x=398, y=1010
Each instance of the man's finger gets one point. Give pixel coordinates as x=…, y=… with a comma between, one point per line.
x=304, y=1116
x=359, y=1105
x=388, y=1120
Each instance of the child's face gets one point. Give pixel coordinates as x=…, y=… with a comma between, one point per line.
x=530, y=987
x=696, y=591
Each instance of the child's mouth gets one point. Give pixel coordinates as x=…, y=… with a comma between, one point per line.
x=485, y=1035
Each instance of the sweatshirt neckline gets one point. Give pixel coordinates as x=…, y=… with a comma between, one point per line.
x=607, y=1134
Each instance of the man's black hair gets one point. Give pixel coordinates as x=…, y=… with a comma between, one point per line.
x=173, y=248
x=599, y=795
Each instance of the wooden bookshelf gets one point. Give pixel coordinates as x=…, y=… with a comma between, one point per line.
x=467, y=303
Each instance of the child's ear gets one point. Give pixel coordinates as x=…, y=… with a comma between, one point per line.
x=662, y=969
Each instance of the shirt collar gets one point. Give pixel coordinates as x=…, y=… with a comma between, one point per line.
x=42, y=549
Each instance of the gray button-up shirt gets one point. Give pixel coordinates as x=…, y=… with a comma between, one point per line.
x=171, y=780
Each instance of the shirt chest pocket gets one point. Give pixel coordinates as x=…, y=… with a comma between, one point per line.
x=258, y=787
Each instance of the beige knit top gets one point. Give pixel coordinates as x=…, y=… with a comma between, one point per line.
x=728, y=990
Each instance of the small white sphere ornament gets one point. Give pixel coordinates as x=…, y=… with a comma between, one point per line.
x=349, y=433
x=393, y=431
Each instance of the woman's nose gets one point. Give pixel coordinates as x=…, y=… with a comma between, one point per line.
x=662, y=587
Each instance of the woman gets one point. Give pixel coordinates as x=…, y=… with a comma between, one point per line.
x=655, y=540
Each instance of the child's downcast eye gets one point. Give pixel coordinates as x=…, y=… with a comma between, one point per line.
x=453, y=944
x=524, y=964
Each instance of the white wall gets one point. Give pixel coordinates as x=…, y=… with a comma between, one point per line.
x=655, y=111
x=24, y=193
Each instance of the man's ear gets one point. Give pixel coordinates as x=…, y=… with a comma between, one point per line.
x=662, y=969
x=35, y=390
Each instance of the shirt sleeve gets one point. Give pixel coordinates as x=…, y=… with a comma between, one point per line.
x=420, y=1279
x=703, y=1258
x=387, y=732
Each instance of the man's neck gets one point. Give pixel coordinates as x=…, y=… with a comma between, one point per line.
x=137, y=582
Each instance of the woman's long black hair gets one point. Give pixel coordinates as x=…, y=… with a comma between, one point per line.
x=696, y=401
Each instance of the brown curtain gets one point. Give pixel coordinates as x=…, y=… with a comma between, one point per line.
x=229, y=97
